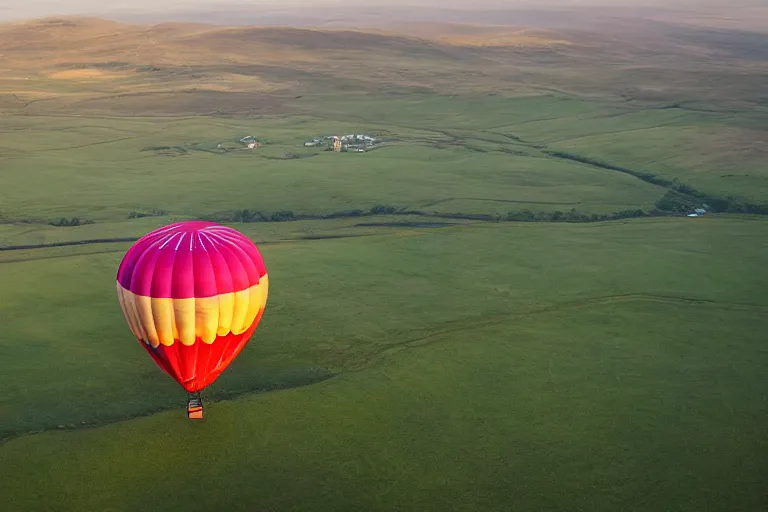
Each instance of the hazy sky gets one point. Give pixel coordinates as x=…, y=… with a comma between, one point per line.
x=18, y=9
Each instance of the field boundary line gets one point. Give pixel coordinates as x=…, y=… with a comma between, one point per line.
x=66, y=244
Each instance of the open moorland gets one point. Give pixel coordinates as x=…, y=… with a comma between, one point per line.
x=504, y=306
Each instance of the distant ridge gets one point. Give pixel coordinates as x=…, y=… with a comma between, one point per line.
x=90, y=65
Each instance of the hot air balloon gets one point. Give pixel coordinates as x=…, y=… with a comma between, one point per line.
x=193, y=293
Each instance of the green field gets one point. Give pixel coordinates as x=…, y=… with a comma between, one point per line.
x=105, y=168
x=422, y=349
x=600, y=366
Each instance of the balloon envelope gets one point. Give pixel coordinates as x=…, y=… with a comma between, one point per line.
x=193, y=293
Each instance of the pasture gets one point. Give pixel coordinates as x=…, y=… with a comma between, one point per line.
x=569, y=366
x=491, y=156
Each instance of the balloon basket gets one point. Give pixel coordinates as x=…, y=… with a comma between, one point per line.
x=195, y=407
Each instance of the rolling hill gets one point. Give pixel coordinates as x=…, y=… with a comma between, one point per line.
x=60, y=60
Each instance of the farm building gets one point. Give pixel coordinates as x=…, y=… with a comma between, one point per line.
x=345, y=143
x=250, y=142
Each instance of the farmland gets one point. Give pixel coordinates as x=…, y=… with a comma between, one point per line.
x=423, y=348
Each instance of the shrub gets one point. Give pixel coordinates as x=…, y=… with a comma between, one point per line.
x=674, y=201
x=383, y=209
x=154, y=213
x=282, y=216
x=74, y=221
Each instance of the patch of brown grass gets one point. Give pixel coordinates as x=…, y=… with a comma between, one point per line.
x=86, y=74
x=750, y=145
x=32, y=95
x=79, y=58
x=475, y=36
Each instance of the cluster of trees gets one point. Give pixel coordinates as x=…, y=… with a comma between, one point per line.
x=248, y=215
x=520, y=216
x=154, y=213
x=383, y=209
x=73, y=221
x=282, y=216
x=676, y=202
x=574, y=216
x=738, y=206
x=242, y=216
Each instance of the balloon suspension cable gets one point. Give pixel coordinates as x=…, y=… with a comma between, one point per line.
x=195, y=406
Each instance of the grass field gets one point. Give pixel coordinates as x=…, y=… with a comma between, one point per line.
x=114, y=166
x=559, y=411
x=117, y=174
x=431, y=354
x=566, y=357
